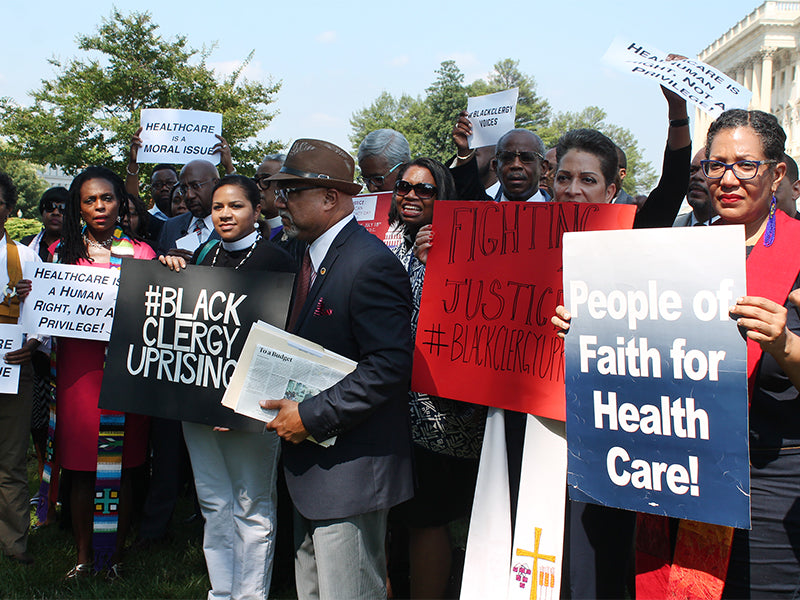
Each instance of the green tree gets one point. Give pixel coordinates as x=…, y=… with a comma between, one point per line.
x=89, y=111
x=29, y=184
x=432, y=121
x=533, y=112
x=640, y=176
x=385, y=112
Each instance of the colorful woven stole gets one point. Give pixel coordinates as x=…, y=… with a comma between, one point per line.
x=699, y=564
x=48, y=488
x=109, y=451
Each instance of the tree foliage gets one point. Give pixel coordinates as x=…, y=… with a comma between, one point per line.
x=88, y=112
x=30, y=185
x=428, y=121
x=640, y=175
x=533, y=112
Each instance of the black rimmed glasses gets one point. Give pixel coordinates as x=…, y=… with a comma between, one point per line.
x=742, y=169
x=51, y=206
x=378, y=180
x=424, y=191
x=262, y=181
x=161, y=185
x=526, y=156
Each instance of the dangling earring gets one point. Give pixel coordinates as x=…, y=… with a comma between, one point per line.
x=769, y=234
x=256, y=225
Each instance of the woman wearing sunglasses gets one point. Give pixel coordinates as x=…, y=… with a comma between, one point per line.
x=447, y=434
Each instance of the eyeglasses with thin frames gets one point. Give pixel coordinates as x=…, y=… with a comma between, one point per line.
x=195, y=185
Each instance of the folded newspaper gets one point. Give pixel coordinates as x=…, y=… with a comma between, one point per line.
x=275, y=364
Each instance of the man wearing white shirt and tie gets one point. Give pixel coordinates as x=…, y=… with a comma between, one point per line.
x=184, y=233
x=517, y=161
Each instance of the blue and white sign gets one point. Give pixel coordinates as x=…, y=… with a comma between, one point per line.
x=656, y=379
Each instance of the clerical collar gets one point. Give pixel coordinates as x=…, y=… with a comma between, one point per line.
x=241, y=243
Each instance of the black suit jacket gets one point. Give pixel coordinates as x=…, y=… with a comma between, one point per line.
x=360, y=307
x=176, y=228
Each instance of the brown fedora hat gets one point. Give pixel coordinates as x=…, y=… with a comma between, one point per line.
x=319, y=163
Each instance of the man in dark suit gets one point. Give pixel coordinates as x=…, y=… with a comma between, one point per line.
x=698, y=196
x=354, y=298
x=197, y=186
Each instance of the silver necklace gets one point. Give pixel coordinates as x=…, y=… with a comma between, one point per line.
x=241, y=262
x=99, y=245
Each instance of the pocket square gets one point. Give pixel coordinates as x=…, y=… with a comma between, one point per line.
x=320, y=310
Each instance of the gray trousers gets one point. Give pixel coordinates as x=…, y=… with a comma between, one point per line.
x=15, y=430
x=341, y=559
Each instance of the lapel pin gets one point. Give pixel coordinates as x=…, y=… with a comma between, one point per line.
x=322, y=271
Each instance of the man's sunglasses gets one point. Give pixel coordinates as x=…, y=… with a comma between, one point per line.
x=526, y=157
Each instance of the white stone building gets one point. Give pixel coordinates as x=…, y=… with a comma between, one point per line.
x=762, y=52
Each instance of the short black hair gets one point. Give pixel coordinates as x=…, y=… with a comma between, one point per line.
x=165, y=167
x=622, y=158
x=593, y=142
x=765, y=125
x=247, y=185
x=791, y=168
x=8, y=191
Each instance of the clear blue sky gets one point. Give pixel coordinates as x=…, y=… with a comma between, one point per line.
x=333, y=58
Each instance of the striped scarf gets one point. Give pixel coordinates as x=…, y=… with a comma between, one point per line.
x=109, y=450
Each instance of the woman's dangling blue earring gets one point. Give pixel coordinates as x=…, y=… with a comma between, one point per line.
x=769, y=234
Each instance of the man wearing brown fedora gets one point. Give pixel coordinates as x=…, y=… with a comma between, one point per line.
x=353, y=297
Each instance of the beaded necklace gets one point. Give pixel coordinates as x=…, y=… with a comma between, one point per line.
x=241, y=262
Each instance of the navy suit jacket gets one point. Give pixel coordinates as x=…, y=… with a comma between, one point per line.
x=176, y=228
x=360, y=307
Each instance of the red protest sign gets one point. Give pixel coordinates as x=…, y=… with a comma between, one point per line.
x=372, y=211
x=492, y=282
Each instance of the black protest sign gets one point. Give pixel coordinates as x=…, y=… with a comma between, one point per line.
x=176, y=338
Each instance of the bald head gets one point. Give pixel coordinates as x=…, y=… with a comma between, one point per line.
x=518, y=163
x=197, y=178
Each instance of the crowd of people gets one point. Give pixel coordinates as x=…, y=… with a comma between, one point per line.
x=368, y=516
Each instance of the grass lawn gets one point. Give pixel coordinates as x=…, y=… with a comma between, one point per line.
x=172, y=569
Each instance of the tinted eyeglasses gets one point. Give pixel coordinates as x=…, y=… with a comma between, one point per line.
x=262, y=181
x=378, y=180
x=51, y=206
x=424, y=191
x=529, y=156
x=742, y=169
x=283, y=193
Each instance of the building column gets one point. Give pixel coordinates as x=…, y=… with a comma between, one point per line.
x=749, y=80
x=755, y=101
x=766, y=81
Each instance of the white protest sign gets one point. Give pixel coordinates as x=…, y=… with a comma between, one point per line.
x=491, y=116
x=10, y=340
x=69, y=301
x=171, y=135
x=704, y=86
x=188, y=242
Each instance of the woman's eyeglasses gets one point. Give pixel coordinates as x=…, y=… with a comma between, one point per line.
x=742, y=169
x=424, y=191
